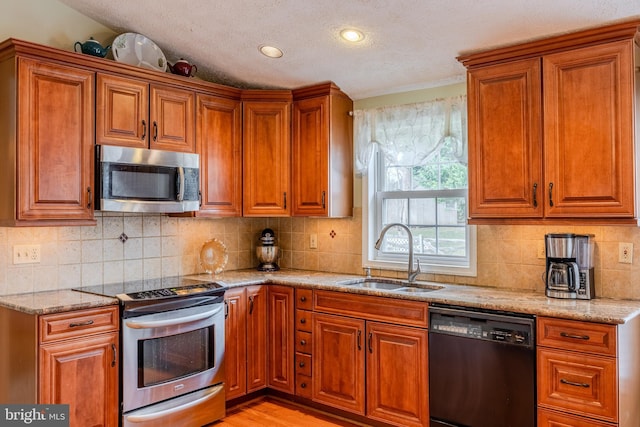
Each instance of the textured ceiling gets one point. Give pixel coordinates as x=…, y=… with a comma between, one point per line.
x=409, y=44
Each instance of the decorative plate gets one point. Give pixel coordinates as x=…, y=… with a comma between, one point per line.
x=136, y=49
x=213, y=256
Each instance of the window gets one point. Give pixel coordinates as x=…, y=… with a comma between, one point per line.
x=418, y=177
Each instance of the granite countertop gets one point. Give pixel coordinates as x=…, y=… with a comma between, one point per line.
x=601, y=310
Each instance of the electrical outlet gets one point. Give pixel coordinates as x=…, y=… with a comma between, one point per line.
x=313, y=241
x=541, y=250
x=625, y=253
x=26, y=254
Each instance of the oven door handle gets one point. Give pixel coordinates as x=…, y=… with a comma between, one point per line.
x=142, y=418
x=174, y=321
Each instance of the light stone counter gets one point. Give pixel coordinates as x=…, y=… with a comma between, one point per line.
x=596, y=310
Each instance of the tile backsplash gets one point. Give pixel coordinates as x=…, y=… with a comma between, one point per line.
x=158, y=245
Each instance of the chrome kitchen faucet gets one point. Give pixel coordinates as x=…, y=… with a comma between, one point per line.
x=411, y=273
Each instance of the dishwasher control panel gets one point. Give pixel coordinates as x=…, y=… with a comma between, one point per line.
x=482, y=325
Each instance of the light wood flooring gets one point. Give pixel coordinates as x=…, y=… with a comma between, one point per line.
x=272, y=412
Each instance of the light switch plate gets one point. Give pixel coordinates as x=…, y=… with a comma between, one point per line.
x=26, y=254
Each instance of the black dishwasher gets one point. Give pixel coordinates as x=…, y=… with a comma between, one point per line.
x=482, y=368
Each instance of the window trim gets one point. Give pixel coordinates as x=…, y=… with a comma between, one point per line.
x=369, y=237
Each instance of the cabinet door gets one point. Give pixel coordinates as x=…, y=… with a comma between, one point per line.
x=310, y=150
x=505, y=140
x=338, y=362
x=392, y=395
x=256, y=338
x=55, y=142
x=281, y=339
x=172, y=119
x=83, y=373
x=266, y=153
x=122, y=111
x=588, y=131
x=235, y=357
x=219, y=143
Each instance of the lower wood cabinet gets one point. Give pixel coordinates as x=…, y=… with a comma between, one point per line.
x=245, y=340
x=588, y=374
x=63, y=358
x=368, y=367
x=281, y=374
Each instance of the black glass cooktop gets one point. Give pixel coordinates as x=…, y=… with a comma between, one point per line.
x=166, y=287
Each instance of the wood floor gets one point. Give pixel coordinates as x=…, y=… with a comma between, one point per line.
x=271, y=412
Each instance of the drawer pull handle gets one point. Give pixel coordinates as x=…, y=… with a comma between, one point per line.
x=303, y=342
x=76, y=324
x=535, y=194
x=303, y=299
x=251, y=304
x=551, y=194
x=301, y=364
x=575, y=337
x=370, y=342
x=144, y=130
x=359, y=337
x=567, y=382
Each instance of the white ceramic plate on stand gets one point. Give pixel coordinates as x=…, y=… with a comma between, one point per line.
x=136, y=49
x=213, y=256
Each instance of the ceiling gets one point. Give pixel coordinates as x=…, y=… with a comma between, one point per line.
x=408, y=45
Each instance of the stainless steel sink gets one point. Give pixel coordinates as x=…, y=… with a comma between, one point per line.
x=392, y=285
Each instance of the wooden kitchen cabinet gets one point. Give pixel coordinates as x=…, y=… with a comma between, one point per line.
x=245, y=340
x=551, y=128
x=219, y=143
x=64, y=358
x=135, y=113
x=47, y=117
x=303, y=343
x=362, y=346
x=322, y=152
x=266, y=153
x=587, y=373
x=281, y=348
x=339, y=362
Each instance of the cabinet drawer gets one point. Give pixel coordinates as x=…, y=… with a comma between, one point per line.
x=580, y=336
x=72, y=324
x=578, y=383
x=303, y=320
x=410, y=313
x=303, y=342
x=303, y=386
x=548, y=418
x=304, y=299
x=303, y=364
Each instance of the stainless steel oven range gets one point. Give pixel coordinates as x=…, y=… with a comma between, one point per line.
x=172, y=351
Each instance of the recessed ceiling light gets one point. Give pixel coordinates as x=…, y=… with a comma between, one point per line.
x=270, y=51
x=352, y=35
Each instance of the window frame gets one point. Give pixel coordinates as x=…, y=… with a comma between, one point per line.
x=372, y=225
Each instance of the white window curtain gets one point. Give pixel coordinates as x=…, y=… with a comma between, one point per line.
x=408, y=134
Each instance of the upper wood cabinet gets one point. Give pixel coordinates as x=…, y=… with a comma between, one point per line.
x=134, y=113
x=219, y=143
x=322, y=152
x=266, y=153
x=47, y=121
x=551, y=128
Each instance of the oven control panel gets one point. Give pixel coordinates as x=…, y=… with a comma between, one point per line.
x=188, y=290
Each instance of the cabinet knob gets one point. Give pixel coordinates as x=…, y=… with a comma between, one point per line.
x=303, y=342
x=303, y=320
x=301, y=364
x=303, y=385
x=303, y=299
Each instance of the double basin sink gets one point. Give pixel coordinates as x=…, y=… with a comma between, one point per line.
x=391, y=285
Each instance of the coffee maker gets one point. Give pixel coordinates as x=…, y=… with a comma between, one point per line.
x=569, y=272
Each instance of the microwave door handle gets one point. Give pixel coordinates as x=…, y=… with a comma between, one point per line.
x=180, y=183
x=175, y=321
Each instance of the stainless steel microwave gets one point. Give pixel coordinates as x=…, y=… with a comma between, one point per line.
x=145, y=180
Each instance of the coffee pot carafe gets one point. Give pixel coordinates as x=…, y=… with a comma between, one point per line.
x=569, y=262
